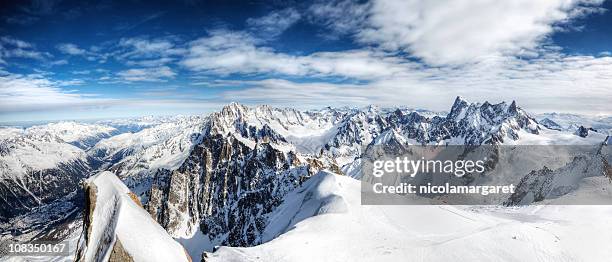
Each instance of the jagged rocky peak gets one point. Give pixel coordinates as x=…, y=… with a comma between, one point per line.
x=513, y=109
x=234, y=110
x=249, y=123
x=458, y=108
x=550, y=124
x=226, y=186
x=276, y=122
x=390, y=137
x=584, y=131
x=229, y=114
x=357, y=129
x=493, y=113
x=488, y=123
x=410, y=119
x=115, y=226
x=332, y=112
x=35, y=169
x=372, y=110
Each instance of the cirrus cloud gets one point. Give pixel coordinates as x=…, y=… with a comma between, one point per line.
x=155, y=74
x=274, y=23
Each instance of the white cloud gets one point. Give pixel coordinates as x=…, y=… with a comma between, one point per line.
x=59, y=62
x=282, y=92
x=454, y=32
x=483, y=50
x=342, y=17
x=81, y=72
x=150, y=62
x=225, y=52
x=552, y=83
x=74, y=50
x=15, y=42
x=231, y=52
x=145, y=52
x=548, y=80
x=20, y=93
x=274, y=23
x=70, y=49
x=155, y=74
x=147, y=48
x=12, y=47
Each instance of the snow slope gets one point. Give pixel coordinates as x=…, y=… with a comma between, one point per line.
x=81, y=135
x=324, y=221
x=570, y=122
x=135, y=124
x=554, y=137
x=22, y=152
x=163, y=146
x=118, y=218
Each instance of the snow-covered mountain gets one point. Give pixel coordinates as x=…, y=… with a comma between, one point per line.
x=237, y=170
x=36, y=167
x=549, y=183
x=43, y=163
x=117, y=228
x=135, y=124
x=324, y=221
x=139, y=154
x=81, y=135
x=571, y=122
x=244, y=176
x=258, y=149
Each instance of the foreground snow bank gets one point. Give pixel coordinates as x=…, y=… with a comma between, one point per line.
x=354, y=232
x=117, y=228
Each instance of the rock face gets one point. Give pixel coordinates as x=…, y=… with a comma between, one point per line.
x=223, y=174
x=534, y=187
x=39, y=187
x=584, y=131
x=550, y=124
x=486, y=123
x=546, y=183
x=228, y=184
x=116, y=228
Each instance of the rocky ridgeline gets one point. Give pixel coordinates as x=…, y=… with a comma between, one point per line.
x=232, y=177
x=243, y=161
x=225, y=172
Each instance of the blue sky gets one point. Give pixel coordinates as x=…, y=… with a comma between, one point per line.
x=103, y=59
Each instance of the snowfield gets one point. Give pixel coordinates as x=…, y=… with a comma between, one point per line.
x=324, y=221
x=79, y=134
x=138, y=155
x=570, y=122
x=27, y=152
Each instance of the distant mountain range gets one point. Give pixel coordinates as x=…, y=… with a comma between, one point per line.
x=245, y=175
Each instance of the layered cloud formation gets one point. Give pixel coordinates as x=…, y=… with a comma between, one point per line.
x=400, y=52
